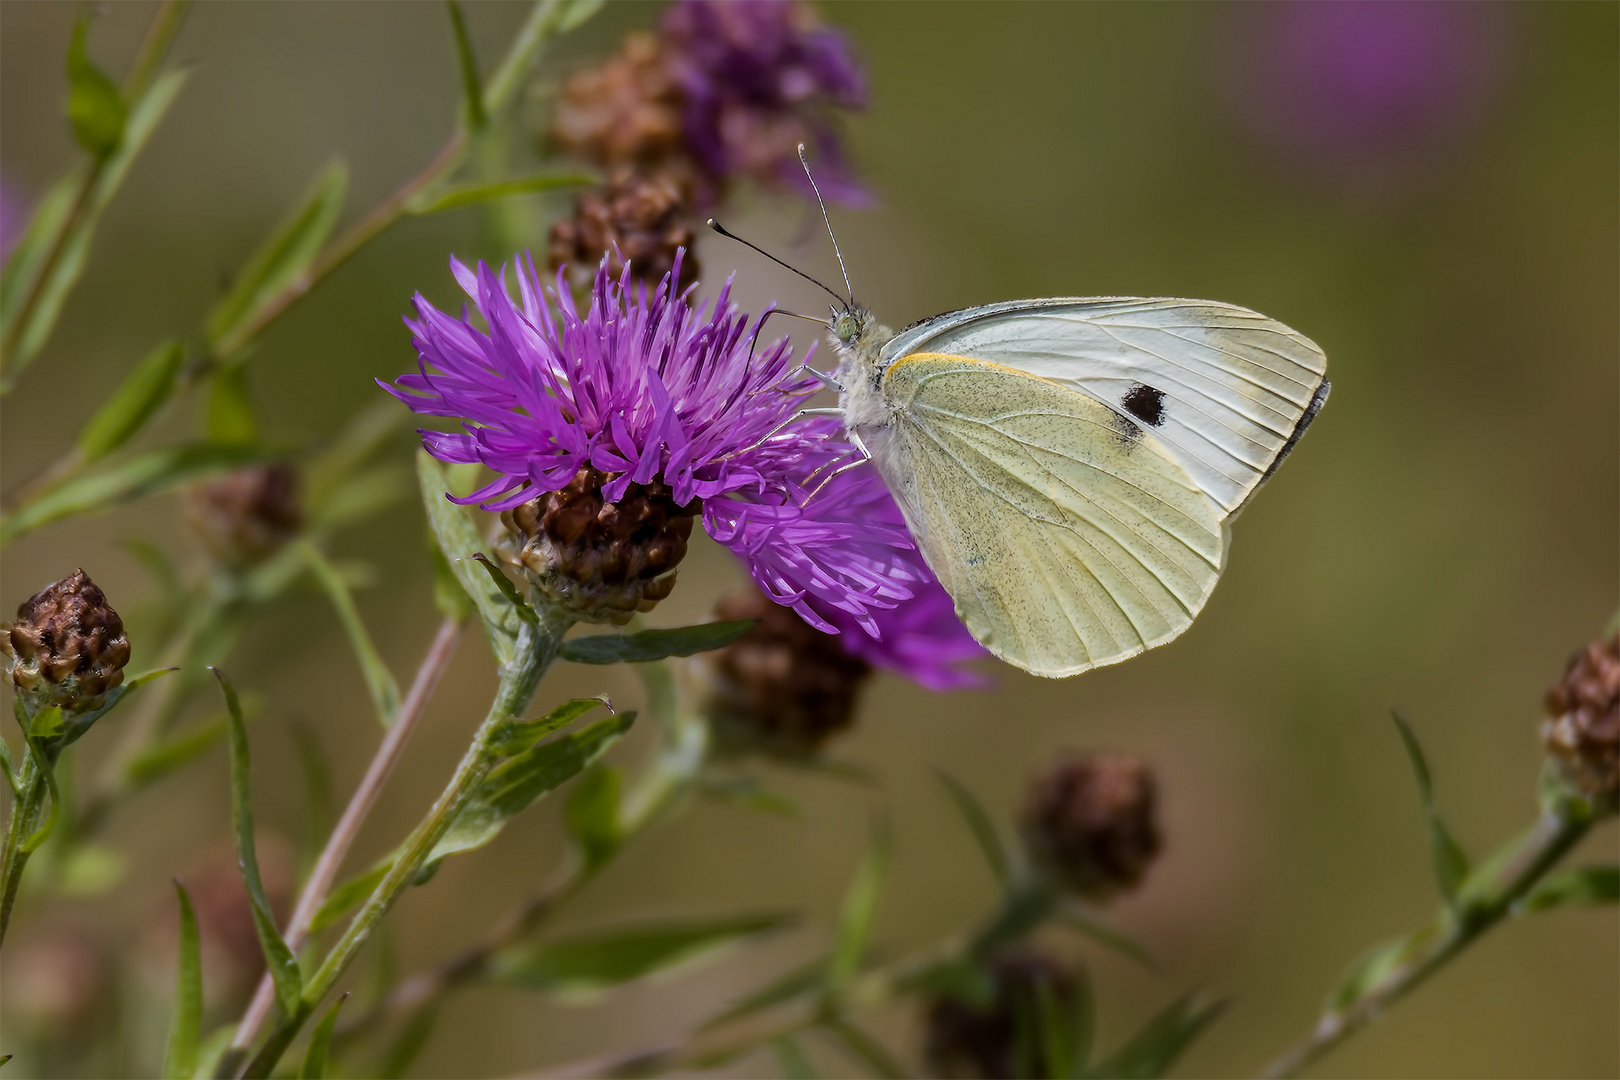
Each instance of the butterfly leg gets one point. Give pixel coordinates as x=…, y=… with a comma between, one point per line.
x=865, y=455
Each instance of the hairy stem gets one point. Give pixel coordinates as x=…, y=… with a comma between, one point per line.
x=1484, y=905
x=25, y=811
x=537, y=647
x=354, y=815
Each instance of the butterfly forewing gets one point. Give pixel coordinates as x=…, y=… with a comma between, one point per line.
x=1067, y=534
x=1224, y=390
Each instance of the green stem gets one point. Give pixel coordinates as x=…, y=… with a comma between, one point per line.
x=537, y=647
x=682, y=753
x=1481, y=907
x=158, y=36
x=25, y=813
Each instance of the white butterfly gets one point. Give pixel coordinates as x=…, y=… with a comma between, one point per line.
x=1070, y=467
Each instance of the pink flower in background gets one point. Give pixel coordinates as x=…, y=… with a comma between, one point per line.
x=1363, y=94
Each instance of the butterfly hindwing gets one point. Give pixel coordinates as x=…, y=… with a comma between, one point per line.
x=1225, y=390
x=1067, y=534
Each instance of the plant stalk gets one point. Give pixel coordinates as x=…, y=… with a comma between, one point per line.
x=1523, y=864
x=537, y=647
x=354, y=815
x=25, y=812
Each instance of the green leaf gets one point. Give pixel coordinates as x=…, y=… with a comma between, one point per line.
x=362, y=435
x=278, y=957
x=185, y=1030
x=1155, y=1048
x=1578, y=886
x=361, y=498
x=343, y=899
x=648, y=645
x=143, y=391
x=591, y=963
x=319, y=813
x=125, y=480
x=459, y=541
x=980, y=825
x=592, y=815
x=448, y=595
x=472, y=92
x=517, y=783
x=749, y=792
x=1369, y=971
x=320, y=1043
x=380, y=682
x=1084, y=922
x=864, y=1049
x=791, y=1059
x=547, y=19
x=43, y=285
x=95, y=106
x=163, y=758
x=513, y=737
x=47, y=723
x=802, y=980
x=1063, y=1029
x=283, y=258
x=507, y=589
x=230, y=413
x=9, y=769
x=860, y=906
x=471, y=194
x=1450, y=862
x=90, y=869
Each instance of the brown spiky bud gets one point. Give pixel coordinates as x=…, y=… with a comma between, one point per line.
x=625, y=110
x=638, y=218
x=596, y=560
x=246, y=516
x=784, y=688
x=67, y=646
x=999, y=1039
x=1582, y=728
x=1091, y=822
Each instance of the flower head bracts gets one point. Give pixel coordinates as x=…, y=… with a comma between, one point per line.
x=638, y=385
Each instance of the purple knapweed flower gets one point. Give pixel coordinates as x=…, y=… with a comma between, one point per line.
x=758, y=77
x=647, y=389
x=910, y=629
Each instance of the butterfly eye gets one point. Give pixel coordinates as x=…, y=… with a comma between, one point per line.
x=845, y=329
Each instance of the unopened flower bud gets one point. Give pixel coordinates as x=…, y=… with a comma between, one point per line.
x=642, y=219
x=600, y=561
x=244, y=517
x=1091, y=821
x=1582, y=728
x=626, y=109
x=784, y=688
x=998, y=1039
x=67, y=646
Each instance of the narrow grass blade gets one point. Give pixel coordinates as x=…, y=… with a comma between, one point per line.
x=380, y=682
x=185, y=1030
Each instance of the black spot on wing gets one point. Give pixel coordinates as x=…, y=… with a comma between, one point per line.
x=1145, y=403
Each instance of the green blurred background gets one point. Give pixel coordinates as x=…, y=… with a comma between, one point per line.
x=1441, y=542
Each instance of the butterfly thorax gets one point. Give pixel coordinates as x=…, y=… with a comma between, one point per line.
x=858, y=339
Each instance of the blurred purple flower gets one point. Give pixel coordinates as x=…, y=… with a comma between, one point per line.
x=644, y=387
x=759, y=77
x=1363, y=91
x=13, y=216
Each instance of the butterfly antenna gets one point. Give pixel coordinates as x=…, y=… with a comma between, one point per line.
x=723, y=231
x=823, y=204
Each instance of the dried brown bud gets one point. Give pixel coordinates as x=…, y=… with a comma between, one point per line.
x=247, y=515
x=600, y=561
x=1091, y=821
x=625, y=110
x=783, y=688
x=999, y=1039
x=67, y=646
x=639, y=218
x=1582, y=729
